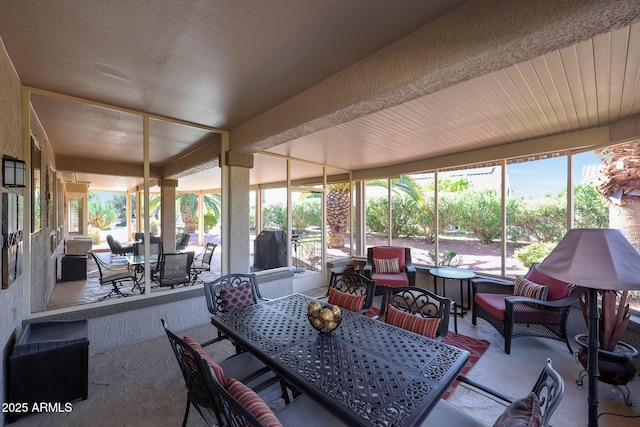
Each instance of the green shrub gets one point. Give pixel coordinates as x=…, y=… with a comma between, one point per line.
x=480, y=213
x=534, y=252
x=94, y=234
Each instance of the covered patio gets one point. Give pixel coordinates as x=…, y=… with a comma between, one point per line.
x=289, y=101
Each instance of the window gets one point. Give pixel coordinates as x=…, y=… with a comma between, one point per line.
x=36, y=182
x=536, y=210
x=470, y=219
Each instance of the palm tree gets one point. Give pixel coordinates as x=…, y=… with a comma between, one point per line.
x=620, y=185
x=338, y=213
x=187, y=204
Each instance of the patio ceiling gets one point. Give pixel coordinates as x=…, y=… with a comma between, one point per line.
x=221, y=65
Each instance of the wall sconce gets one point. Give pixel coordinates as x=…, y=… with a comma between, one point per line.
x=14, y=172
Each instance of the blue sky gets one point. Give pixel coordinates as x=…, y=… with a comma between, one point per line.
x=538, y=178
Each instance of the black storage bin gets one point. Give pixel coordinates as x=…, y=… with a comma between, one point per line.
x=74, y=267
x=49, y=363
x=270, y=249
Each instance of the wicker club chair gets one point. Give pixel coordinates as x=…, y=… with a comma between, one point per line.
x=405, y=275
x=519, y=316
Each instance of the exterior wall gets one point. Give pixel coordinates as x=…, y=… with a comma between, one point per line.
x=11, y=299
x=45, y=250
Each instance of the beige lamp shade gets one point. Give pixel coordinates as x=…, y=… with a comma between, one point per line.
x=594, y=258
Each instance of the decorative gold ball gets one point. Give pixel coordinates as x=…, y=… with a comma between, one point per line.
x=314, y=305
x=324, y=318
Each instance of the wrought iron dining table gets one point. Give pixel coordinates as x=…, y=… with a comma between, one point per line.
x=368, y=373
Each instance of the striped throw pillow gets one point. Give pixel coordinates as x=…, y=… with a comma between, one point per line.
x=217, y=369
x=253, y=403
x=390, y=265
x=529, y=289
x=345, y=300
x=420, y=325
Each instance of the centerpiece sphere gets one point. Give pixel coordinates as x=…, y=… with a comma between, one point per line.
x=325, y=318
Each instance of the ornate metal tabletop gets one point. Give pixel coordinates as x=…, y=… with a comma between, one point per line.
x=368, y=372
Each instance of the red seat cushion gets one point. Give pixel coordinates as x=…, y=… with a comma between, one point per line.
x=411, y=322
x=388, y=252
x=557, y=288
x=345, y=300
x=398, y=279
x=493, y=303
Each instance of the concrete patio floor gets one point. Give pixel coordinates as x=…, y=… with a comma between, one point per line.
x=141, y=384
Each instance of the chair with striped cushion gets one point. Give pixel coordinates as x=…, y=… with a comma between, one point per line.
x=390, y=265
x=253, y=372
x=417, y=310
x=533, y=305
x=351, y=291
x=242, y=407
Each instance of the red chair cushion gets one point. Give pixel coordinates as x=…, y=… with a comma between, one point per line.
x=345, y=300
x=390, y=279
x=387, y=252
x=493, y=303
x=217, y=369
x=420, y=325
x=253, y=403
x=557, y=288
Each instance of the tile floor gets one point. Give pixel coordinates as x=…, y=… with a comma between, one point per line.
x=141, y=385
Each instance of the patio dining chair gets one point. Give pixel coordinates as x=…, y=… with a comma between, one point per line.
x=534, y=409
x=116, y=279
x=228, y=293
x=242, y=407
x=175, y=269
x=197, y=366
x=205, y=261
x=351, y=291
x=417, y=310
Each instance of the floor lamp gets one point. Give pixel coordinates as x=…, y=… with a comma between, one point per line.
x=596, y=259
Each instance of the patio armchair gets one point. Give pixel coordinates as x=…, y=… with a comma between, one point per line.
x=351, y=291
x=116, y=247
x=182, y=241
x=534, y=305
x=417, y=310
x=534, y=409
x=390, y=265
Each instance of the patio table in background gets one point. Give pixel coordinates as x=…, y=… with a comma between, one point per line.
x=366, y=372
x=455, y=274
x=136, y=263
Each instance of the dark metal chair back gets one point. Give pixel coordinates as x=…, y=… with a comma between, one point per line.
x=154, y=248
x=549, y=388
x=418, y=301
x=198, y=380
x=354, y=284
x=213, y=294
x=175, y=269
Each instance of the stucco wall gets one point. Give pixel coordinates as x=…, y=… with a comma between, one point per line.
x=11, y=299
